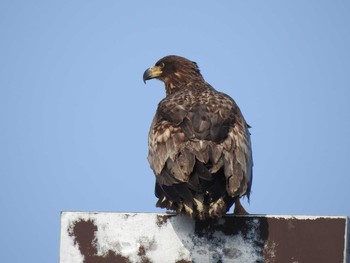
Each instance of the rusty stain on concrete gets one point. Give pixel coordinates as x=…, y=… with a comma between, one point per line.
x=83, y=233
x=317, y=240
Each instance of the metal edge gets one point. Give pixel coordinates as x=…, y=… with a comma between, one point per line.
x=60, y=240
x=346, y=241
x=300, y=217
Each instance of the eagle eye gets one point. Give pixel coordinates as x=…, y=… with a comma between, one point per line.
x=160, y=64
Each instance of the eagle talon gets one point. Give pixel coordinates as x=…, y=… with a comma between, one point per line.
x=239, y=209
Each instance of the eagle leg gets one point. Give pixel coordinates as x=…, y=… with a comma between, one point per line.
x=239, y=209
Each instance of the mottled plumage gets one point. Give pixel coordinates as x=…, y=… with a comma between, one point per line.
x=199, y=144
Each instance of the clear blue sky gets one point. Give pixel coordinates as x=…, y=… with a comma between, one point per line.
x=74, y=112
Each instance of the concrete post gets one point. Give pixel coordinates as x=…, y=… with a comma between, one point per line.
x=88, y=237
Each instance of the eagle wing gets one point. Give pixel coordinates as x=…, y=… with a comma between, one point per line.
x=200, y=152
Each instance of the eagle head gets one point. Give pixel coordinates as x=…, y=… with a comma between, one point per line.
x=174, y=71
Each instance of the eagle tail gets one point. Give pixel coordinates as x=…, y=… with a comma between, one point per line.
x=203, y=196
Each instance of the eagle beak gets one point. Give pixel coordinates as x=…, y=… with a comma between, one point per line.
x=152, y=72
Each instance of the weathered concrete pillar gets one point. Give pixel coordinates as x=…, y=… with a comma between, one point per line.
x=88, y=237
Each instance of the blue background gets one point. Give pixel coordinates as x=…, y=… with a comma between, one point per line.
x=74, y=112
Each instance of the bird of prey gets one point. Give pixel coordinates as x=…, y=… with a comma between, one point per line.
x=199, y=144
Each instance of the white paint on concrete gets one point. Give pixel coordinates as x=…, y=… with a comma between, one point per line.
x=125, y=233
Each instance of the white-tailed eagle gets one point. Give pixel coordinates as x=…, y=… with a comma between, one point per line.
x=199, y=144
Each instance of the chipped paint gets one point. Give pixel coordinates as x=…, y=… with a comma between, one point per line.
x=149, y=237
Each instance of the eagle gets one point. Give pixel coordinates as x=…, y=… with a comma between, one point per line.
x=199, y=145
